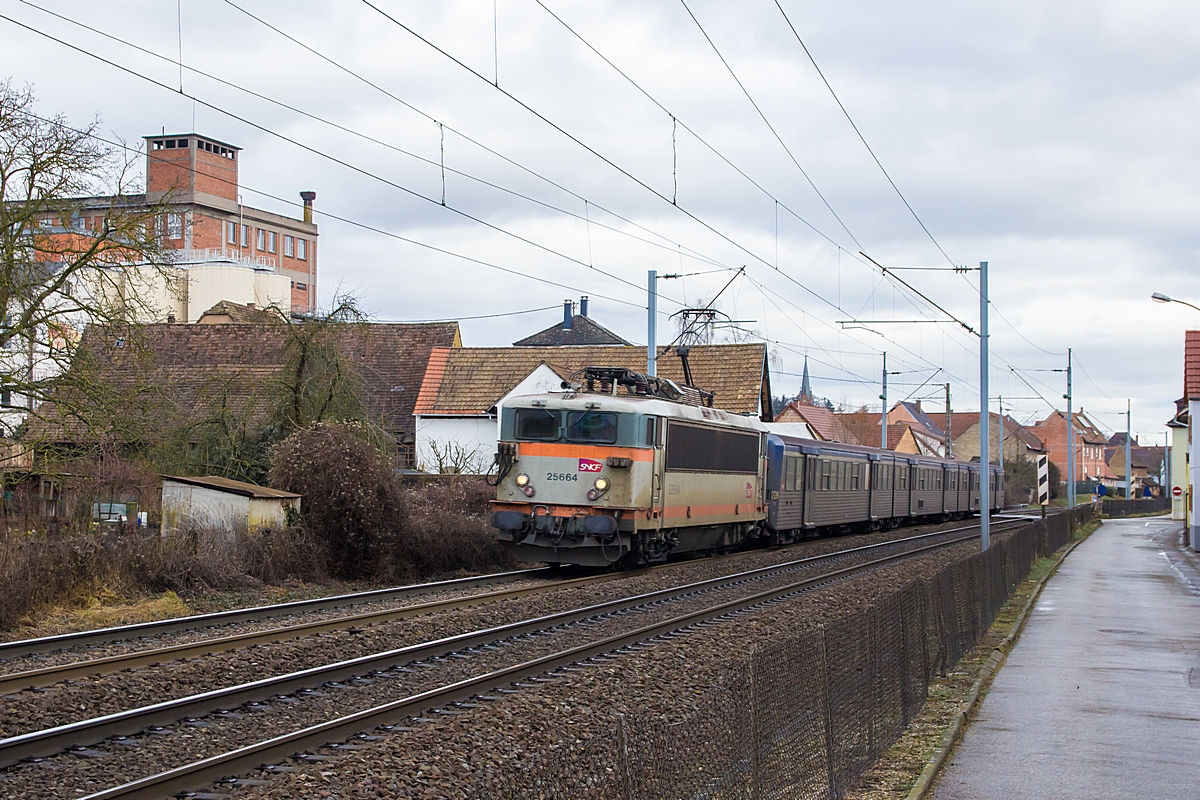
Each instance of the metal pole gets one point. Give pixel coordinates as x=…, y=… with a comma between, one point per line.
x=1070, y=439
x=949, y=446
x=651, y=322
x=985, y=472
x=1128, y=462
x=883, y=414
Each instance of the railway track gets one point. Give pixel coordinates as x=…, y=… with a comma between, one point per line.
x=826, y=568
x=144, y=630
x=89, y=667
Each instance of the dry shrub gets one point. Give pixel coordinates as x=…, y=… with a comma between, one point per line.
x=350, y=495
x=372, y=526
x=446, y=530
x=45, y=570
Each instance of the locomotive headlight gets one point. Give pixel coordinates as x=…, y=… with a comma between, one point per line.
x=522, y=480
x=601, y=484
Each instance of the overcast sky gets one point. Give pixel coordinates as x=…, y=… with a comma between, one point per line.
x=1057, y=141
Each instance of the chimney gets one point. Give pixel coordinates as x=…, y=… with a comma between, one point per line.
x=568, y=314
x=583, y=301
x=308, y=198
x=918, y=406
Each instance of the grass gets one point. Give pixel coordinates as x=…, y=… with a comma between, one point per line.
x=893, y=775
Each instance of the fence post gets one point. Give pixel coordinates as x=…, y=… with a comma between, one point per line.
x=755, y=765
x=623, y=759
x=828, y=692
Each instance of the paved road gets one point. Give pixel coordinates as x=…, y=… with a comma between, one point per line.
x=1100, y=698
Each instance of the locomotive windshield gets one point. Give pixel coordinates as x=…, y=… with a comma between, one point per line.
x=537, y=423
x=593, y=427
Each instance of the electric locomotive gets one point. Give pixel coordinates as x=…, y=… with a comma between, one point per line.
x=625, y=469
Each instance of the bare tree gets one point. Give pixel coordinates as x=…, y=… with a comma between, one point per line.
x=452, y=457
x=60, y=270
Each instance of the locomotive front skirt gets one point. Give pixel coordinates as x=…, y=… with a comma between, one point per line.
x=601, y=479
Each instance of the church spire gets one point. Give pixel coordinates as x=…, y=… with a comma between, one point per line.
x=806, y=393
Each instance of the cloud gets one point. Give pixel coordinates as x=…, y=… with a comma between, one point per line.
x=1055, y=141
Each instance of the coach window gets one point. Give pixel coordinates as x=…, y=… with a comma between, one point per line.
x=594, y=427
x=855, y=470
x=826, y=474
x=537, y=423
x=651, y=439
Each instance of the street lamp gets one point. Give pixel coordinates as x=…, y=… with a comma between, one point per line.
x=1159, y=297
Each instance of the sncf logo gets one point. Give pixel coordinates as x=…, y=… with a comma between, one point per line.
x=588, y=465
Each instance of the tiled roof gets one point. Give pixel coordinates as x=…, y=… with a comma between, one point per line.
x=897, y=432
x=473, y=379
x=826, y=423
x=239, y=314
x=583, y=331
x=1191, y=365
x=185, y=371
x=863, y=426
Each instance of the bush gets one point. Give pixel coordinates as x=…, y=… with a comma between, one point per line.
x=351, y=500
x=372, y=526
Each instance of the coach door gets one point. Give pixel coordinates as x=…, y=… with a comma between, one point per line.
x=656, y=436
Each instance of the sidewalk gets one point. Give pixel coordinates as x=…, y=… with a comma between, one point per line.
x=1100, y=697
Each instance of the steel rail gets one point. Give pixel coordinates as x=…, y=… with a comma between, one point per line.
x=200, y=774
x=48, y=676
x=53, y=740
x=62, y=641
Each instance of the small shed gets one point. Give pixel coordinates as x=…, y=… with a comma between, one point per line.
x=222, y=504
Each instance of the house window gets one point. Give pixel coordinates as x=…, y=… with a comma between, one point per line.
x=174, y=226
x=288, y=246
x=245, y=236
x=302, y=249
x=260, y=242
x=5, y=396
x=270, y=241
x=231, y=232
x=301, y=286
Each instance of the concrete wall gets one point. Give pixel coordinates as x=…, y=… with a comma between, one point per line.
x=472, y=438
x=1179, y=472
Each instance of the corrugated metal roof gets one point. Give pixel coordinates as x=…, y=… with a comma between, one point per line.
x=233, y=487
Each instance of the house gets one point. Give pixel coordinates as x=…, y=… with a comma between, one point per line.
x=1019, y=442
x=224, y=505
x=824, y=422
x=1147, y=464
x=863, y=426
x=930, y=433
x=465, y=388
x=166, y=374
x=576, y=330
x=1089, y=446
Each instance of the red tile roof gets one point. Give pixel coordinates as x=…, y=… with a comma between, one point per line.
x=470, y=380
x=826, y=423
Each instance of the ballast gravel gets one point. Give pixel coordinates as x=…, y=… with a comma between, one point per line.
x=86, y=698
x=426, y=761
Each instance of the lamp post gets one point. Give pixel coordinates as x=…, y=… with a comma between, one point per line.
x=1159, y=297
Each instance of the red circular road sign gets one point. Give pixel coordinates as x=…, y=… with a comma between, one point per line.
x=1177, y=491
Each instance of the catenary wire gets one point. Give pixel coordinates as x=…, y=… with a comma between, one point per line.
x=315, y=151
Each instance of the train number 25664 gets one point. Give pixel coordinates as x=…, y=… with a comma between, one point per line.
x=561, y=476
